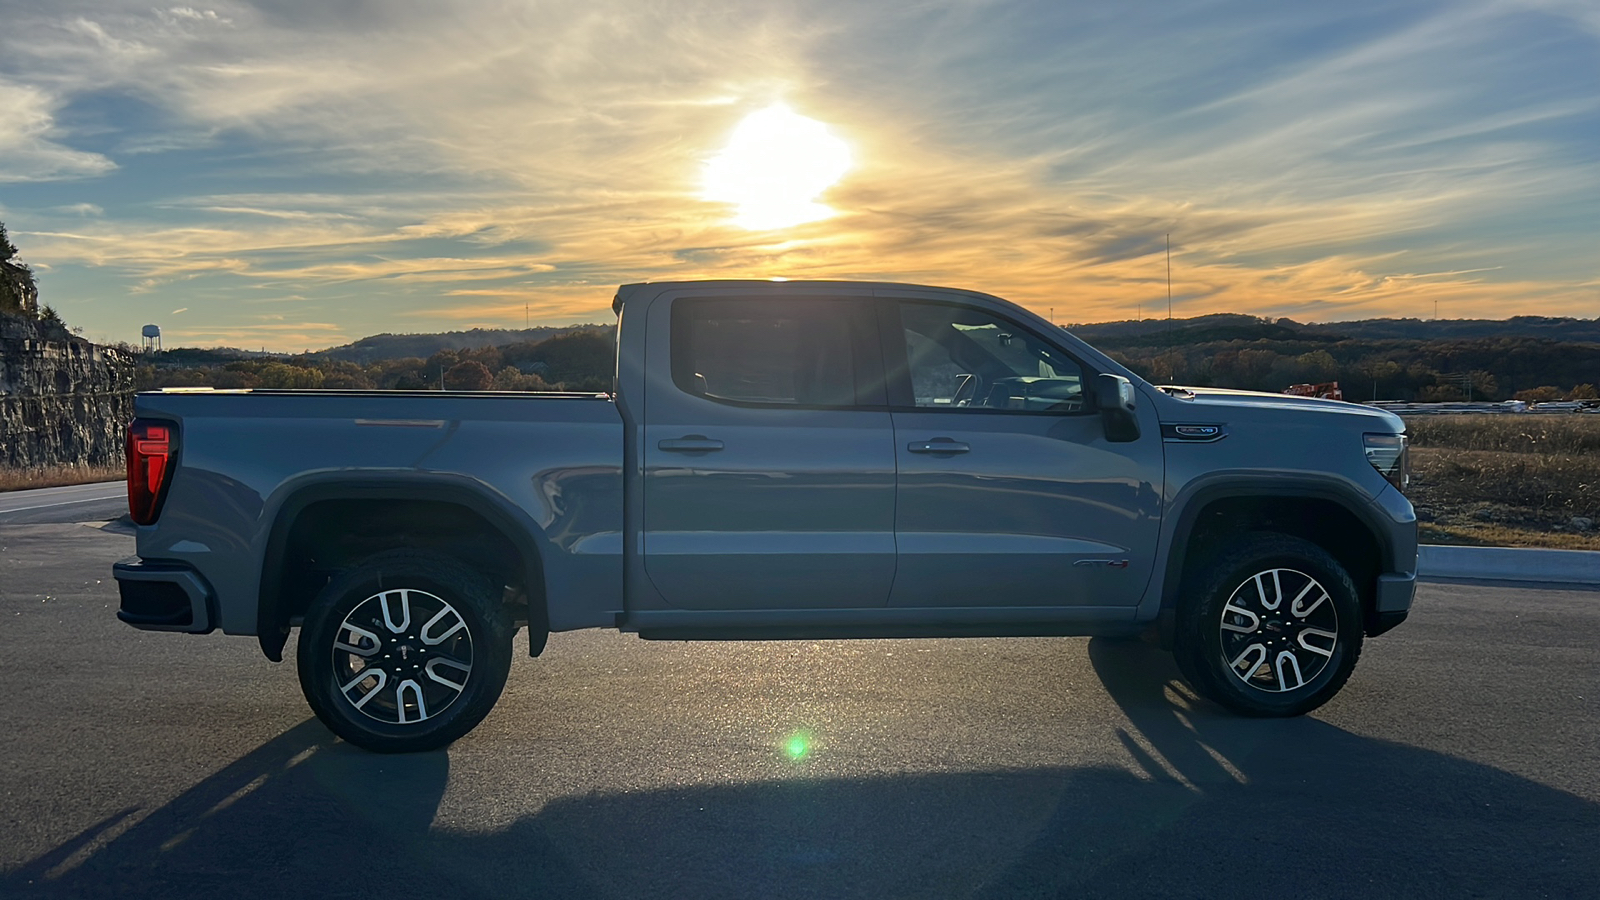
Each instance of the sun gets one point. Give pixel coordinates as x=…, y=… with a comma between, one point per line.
x=777, y=163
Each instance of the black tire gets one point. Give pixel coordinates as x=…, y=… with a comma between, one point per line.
x=430, y=596
x=1221, y=660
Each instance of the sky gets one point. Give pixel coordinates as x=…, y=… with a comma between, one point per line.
x=300, y=174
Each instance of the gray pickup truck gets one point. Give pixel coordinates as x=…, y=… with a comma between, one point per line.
x=778, y=460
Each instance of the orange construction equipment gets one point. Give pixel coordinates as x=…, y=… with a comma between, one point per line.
x=1327, y=391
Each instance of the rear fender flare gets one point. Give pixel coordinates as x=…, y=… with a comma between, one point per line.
x=286, y=504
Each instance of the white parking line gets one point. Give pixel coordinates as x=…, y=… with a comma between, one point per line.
x=13, y=509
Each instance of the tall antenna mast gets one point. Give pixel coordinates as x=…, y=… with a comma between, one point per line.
x=1170, y=345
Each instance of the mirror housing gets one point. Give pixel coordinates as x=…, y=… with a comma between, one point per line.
x=1114, y=395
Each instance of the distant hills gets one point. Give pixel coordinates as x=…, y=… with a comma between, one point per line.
x=1527, y=357
x=1209, y=329
x=421, y=346
x=1237, y=327
x=1147, y=332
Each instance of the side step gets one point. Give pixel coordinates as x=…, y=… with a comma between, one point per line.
x=886, y=630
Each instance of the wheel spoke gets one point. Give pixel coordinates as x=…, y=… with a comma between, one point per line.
x=1248, y=627
x=1287, y=659
x=367, y=642
x=405, y=610
x=440, y=661
x=1257, y=654
x=1302, y=612
x=1261, y=589
x=400, y=701
x=1330, y=637
x=363, y=675
x=443, y=614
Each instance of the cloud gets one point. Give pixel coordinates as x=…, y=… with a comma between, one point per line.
x=456, y=160
x=29, y=149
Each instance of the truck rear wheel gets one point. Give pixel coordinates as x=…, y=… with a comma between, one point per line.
x=404, y=653
x=1271, y=628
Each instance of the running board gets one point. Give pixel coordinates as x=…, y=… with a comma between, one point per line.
x=830, y=624
x=854, y=632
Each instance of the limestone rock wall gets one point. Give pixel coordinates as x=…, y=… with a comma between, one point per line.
x=63, y=400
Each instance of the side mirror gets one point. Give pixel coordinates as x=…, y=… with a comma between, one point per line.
x=1114, y=395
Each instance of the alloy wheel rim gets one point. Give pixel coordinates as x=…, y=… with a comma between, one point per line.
x=402, y=656
x=1279, y=629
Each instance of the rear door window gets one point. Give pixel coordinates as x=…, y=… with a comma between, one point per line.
x=780, y=353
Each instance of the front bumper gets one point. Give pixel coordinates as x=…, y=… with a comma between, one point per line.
x=1392, y=601
x=164, y=596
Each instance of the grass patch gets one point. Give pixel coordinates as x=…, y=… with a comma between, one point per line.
x=1509, y=433
x=1510, y=481
x=58, y=476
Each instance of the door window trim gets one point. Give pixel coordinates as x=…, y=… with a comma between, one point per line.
x=897, y=366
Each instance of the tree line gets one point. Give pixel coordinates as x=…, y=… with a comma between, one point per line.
x=1272, y=356
x=1519, y=367
x=580, y=361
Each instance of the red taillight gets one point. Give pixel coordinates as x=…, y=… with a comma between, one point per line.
x=151, y=446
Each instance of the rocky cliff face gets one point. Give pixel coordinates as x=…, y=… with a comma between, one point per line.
x=63, y=400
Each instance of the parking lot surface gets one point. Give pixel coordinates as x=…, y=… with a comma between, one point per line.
x=1463, y=759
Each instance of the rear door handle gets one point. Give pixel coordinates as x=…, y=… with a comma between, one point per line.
x=938, y=445
x=690, y=443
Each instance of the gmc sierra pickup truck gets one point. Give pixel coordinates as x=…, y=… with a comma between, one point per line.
x=777, y=460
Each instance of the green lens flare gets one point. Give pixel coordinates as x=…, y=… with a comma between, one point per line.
x=798, y=746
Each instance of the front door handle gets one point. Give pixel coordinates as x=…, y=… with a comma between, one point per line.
x=938, y=445
x=690, y=443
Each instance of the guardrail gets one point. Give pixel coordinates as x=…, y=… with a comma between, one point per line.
x=1460, y=408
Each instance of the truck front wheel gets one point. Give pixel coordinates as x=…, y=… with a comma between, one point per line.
x=1270, y=627
x=404, y=653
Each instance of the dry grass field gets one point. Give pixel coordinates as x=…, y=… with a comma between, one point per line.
x=57, y=476
x=1507, y=480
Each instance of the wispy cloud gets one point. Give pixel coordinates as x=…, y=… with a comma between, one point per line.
x=454, y=161
x=30, y=142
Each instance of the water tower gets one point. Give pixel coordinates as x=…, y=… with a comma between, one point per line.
x=152, y=337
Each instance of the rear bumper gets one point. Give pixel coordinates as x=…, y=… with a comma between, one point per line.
x=164, y=596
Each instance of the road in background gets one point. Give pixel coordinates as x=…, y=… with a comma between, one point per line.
x=73, y=503
x=1463, y=759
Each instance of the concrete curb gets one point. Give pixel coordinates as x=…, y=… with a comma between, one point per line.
x=1509, y=564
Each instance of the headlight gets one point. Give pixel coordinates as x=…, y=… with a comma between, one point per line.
x=1390, y=454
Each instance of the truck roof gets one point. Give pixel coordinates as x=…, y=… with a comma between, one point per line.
x=628, y=292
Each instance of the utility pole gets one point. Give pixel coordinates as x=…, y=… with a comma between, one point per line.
x=524, y=315
x=1172, y=348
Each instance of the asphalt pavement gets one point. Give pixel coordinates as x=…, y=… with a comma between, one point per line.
x=1463, y=759
x=74, y=503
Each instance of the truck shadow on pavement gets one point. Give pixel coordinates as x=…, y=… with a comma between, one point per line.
x=1211, y=806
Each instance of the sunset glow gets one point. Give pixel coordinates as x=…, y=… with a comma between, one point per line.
x=775, y=166
x=285, y=177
